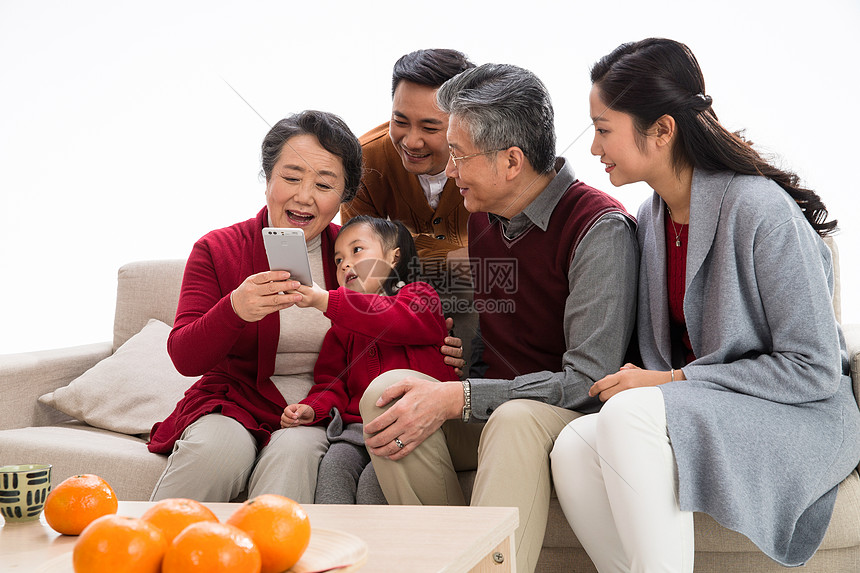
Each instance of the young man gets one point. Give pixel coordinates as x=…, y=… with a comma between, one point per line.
x=556, y=276
x=405, y=180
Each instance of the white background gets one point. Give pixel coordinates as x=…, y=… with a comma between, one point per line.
x=120, y=141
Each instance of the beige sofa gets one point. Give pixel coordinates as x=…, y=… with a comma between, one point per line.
x=31, y=431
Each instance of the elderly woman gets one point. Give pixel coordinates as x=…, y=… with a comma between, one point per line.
x=237, y=327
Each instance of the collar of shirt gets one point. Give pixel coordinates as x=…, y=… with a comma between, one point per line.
x=540, y=209
x=432, y=186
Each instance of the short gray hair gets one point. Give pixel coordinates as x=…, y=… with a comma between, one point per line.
x=504, y=106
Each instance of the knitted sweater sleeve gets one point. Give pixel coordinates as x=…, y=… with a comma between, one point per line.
x=412, y=316
x=206, y=327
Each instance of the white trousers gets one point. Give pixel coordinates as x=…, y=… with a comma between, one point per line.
x=616, y=480
x=216, y=459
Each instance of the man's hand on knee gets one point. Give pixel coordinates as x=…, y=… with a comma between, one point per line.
x=420, y=409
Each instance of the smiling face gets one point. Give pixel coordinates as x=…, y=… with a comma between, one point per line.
x=480, y=181
x=363, y=263
x=305, y=187
x=615, y=142
x=417, y=129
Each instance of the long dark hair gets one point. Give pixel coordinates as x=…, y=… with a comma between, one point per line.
x=393, y=234
x=656, y=77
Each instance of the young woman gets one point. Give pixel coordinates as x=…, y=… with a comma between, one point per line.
x=743, y=408
x=381, y=320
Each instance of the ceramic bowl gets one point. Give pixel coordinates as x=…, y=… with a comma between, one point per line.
x=23, y=489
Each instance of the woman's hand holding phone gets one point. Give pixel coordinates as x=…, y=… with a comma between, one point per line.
x=262, y=294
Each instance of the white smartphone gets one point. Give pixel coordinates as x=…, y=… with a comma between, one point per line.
x=287, y=251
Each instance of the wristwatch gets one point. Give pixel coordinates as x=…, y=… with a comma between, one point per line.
x=467, y=401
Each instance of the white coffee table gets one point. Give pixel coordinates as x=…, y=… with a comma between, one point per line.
x=398, y=538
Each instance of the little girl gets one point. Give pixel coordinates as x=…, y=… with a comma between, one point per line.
x=381, y=320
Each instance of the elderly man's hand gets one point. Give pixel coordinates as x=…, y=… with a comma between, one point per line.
x=421, y=408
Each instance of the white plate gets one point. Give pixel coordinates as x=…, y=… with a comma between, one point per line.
x=328, y=550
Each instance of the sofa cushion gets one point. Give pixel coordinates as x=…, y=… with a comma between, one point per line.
x=74, y=448
x=842, y=532
x=129, y=391
x=837, y=280
x=144, y=290
x=710, y=536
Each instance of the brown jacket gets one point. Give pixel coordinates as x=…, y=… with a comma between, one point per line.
x=387, y=190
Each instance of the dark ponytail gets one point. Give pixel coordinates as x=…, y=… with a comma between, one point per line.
x=393, y=234
x=656, y=77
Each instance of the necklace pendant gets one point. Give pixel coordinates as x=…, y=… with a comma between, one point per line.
x=677, y=242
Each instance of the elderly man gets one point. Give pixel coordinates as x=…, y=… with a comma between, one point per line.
x=555, y=268
x=405, y=179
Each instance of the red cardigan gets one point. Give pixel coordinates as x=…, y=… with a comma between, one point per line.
x=236, y=359
x=371, y=334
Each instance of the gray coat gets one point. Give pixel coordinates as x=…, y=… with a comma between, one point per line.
x=765, y=426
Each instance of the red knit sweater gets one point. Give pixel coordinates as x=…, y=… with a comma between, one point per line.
x=676, y=273
x=371, y=334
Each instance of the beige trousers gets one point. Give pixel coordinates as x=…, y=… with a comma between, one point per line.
x=510, y=452
x=216, y=459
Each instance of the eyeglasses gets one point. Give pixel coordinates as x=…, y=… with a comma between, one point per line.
x=461, y=158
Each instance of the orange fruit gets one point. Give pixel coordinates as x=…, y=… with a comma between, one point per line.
x=77, y=502
x=211, y=547
x=173, y=515
x=119, y=543
x=278, y=525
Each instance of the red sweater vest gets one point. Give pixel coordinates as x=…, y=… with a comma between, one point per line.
x=521, y=286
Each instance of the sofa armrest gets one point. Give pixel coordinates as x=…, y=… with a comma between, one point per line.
x=26, y=376
x=852, y=341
